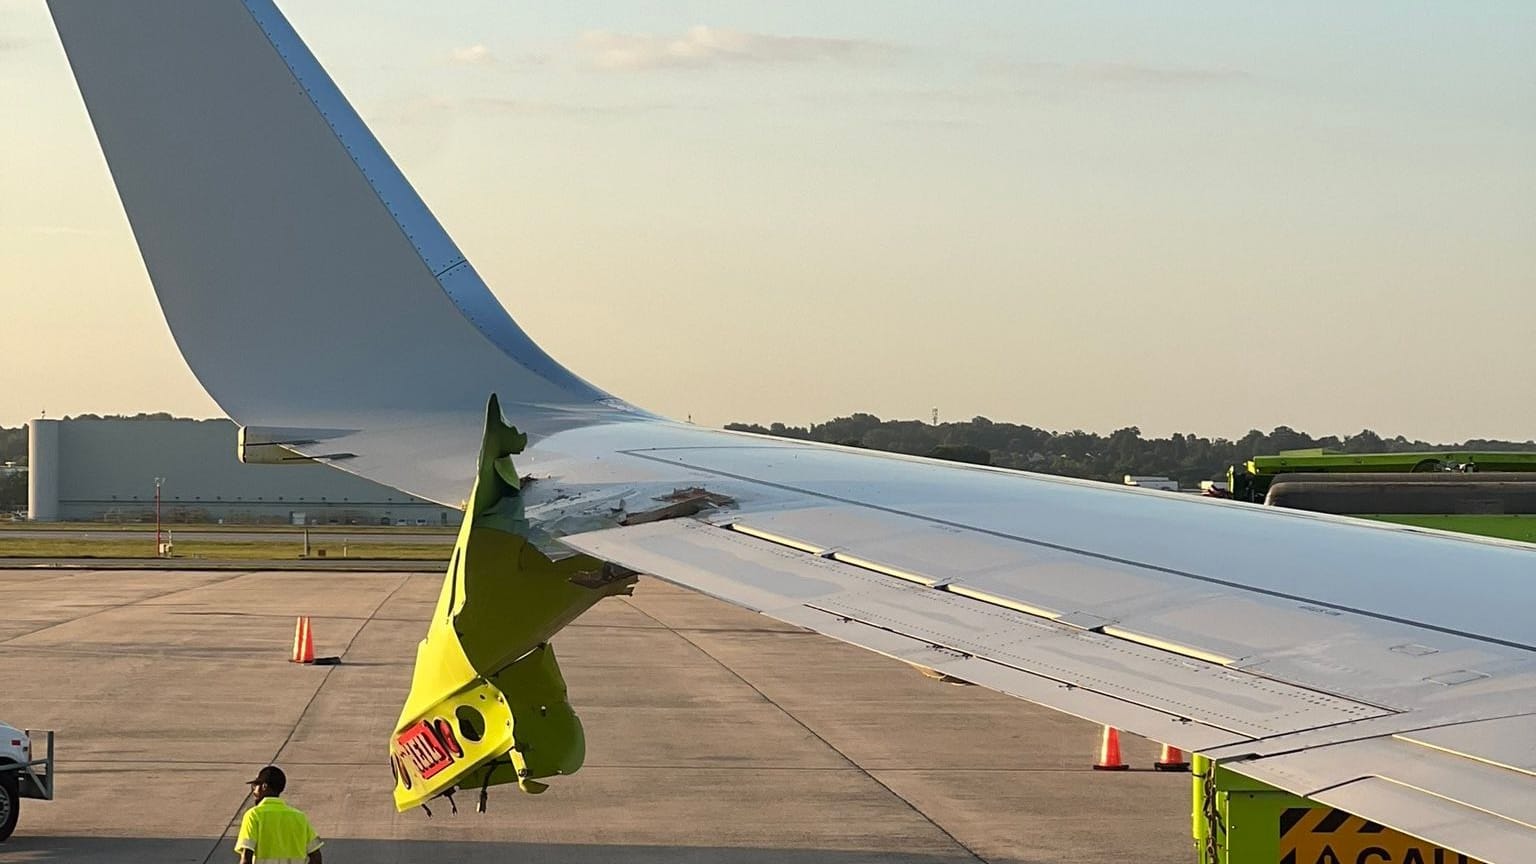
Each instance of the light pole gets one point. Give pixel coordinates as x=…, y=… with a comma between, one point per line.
x=158, y=481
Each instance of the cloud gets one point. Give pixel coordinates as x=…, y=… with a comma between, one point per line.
x=1117, y=74
x=432, y=109
x=704, y=46
x=472, y=55
x=501, y=105
x=1132, y=73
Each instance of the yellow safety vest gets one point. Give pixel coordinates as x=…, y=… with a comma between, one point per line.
x=277, y=833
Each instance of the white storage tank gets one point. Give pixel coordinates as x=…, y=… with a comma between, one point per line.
x=43, y=470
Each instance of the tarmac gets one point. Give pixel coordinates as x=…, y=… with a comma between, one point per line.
x=713, y=735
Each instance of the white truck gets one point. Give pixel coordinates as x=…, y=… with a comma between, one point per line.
x=22, y=773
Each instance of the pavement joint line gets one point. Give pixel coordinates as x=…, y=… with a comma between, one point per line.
x=134, y=602
x=285, y=615
x=813, y=733
x=88, y=761
x=50, y=576
x=178, y=654
x=299, y=721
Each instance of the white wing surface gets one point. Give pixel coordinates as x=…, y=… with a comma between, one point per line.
x=1383, y=670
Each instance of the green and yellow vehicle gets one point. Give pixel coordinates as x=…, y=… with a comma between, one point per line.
x=1492, y=494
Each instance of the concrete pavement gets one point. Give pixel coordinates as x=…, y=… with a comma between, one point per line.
x=713, y=735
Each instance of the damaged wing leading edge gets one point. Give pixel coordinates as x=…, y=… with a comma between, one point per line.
x=487, y=703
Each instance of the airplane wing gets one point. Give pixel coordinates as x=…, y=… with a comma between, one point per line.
x=1383, y=670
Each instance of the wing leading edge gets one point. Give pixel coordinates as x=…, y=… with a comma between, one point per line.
x=1382, y=670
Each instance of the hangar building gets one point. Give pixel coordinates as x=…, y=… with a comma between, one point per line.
x=104, y=470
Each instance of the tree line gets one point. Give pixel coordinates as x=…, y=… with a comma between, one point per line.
x=13, y=487
x=1186, y=458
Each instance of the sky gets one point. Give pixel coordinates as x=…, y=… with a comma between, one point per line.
x=1185, y=216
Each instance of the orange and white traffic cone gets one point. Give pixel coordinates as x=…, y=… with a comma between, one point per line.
x=1171, y=759
x=1109, y=752
x=303, y=642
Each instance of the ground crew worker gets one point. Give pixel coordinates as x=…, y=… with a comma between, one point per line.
x=272, y=832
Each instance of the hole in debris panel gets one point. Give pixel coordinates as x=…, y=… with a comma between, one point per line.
x=450, y=741
x=471, y=723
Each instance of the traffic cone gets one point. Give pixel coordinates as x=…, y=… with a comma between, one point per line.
x=303, y=642
x=1171, y=759
x=1109, y=752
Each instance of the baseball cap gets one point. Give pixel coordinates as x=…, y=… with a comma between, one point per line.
x=272, y=776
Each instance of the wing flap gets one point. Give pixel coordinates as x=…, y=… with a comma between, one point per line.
x=1421, y=813
x=1504, y=742
x=1077, y=701
x=1148, y=690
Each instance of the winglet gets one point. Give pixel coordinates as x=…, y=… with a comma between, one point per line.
x=269, y=214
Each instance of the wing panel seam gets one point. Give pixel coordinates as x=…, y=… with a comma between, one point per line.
x=453, y=257
x=1046, y=544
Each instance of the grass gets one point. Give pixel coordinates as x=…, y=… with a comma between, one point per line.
x=46, y=547
x=1507, y=527
x=214, y=528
